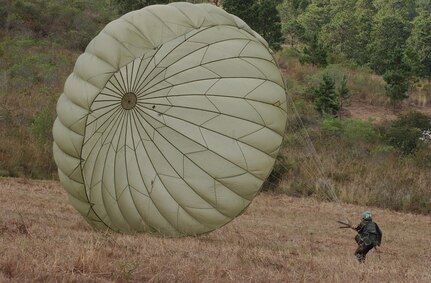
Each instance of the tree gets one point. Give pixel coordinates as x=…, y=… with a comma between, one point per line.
x=406, y=9
x=247, y=10
x=262, y=16
x=339, y=35
x=343, y=93
x=397, y=85
x=418, y=51
x=424, y=5
x=388, y=42
x=269, y=23
x=364, y=21
x=315, y=53
x=326, y=101
x=125, y=6
x=314, y=18
x=289, y=11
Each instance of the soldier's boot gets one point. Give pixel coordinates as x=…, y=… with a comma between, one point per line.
x=360, y=257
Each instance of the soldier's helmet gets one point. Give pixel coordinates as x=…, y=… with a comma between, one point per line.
x=366, y=215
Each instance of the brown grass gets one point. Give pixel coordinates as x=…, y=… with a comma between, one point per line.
x=278, y=239
x=364, y=173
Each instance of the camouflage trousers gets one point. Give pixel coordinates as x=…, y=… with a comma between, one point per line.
x=361, y=252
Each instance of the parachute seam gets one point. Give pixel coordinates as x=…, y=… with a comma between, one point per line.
x=109, y=95
x=125, y=85
x=116, y=91
x=139, y=31
x=137, y=83
x=142, y=178
x=121, y=43
x=123, y=91
x=143, y=105
x=162, y=22
x=116, y=111
x=192, y=160
x=144, y=89
x=216, y=81
x=185, y=40
x=128, y=117
x=123, y=114
x=185, y=156
x=243, y=155
x=68, y=192
x=191, y=21
x=141, y=86
x=115, y=120
x=90, y=53
x=71, y=138
x=164, y=186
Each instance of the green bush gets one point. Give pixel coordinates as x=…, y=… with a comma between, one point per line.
x=354, y=130
x=405, y=132
x=360, y=130
x=414, y=119
x=332, y=126
x=290, y=52
x=41, y=126
x=405, y=139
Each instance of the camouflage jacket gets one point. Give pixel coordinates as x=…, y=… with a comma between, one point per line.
x=369, y=233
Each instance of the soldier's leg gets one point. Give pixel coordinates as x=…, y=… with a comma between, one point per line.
x=359, y=253
x=367, y=248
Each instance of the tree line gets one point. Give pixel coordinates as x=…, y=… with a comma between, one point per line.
x=392, y=37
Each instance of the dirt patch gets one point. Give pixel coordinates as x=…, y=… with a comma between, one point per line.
x=379, y=114
x=371, y=113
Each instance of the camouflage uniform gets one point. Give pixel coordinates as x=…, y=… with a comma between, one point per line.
x=369, y=235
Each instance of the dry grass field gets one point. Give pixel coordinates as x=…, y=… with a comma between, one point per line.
x=278, y=239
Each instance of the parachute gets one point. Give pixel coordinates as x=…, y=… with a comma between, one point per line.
x=170, y=122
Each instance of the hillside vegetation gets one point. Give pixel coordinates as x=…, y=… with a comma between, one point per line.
x=380, y=156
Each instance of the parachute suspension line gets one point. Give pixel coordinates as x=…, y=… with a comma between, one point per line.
x=331, y=195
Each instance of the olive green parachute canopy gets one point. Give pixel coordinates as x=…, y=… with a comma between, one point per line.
x=170, y=122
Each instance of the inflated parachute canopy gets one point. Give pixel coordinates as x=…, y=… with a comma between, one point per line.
x=170, y=122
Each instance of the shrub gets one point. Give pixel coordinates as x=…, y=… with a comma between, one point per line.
x=315, y=53
x=397, y=85
x=404, y=138
x=332, y=126
x=360, y=130
x=290, y=52
x=354, y=130
x=41, y=126
x=326, y=100
x=406, y=133
x=414, y=119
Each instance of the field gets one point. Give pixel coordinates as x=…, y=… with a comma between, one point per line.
x=278, y=239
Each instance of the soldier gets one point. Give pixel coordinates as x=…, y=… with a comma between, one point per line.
x=369, y=236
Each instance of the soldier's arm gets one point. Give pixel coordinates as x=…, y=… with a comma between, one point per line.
x=359, y=227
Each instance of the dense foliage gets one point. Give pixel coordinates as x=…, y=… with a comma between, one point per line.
x=262, y=16
x=392, y=37
x=405, y=133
